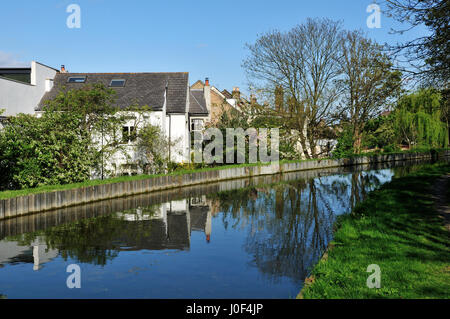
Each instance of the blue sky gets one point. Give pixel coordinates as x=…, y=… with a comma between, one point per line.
x=204, y=38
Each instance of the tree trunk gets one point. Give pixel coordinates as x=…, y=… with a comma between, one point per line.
x=357, y=140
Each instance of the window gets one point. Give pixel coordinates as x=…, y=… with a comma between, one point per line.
x=196, y=125
x=128, y=134
x=76, y=79
x=117, y=83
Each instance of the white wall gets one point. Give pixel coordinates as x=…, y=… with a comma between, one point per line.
x=179, y=133
x=18, y=97
x=131, y=157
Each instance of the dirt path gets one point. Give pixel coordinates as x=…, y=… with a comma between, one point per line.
x=440, y=190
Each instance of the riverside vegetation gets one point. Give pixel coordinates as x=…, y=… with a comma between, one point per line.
x=398, y=228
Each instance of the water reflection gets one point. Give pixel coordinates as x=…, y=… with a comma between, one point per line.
x=290, y=224
x=282, y=224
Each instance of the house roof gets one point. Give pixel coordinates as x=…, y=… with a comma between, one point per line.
x=197, y=102
x=140, y=88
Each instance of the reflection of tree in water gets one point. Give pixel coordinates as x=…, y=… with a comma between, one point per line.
x=289, y=225
x=92, y=240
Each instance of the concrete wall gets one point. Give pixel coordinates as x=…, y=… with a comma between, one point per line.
x=34, y=203
x=19, y=97
x=119, y=205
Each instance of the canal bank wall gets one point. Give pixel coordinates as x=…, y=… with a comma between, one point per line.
x=33, y=203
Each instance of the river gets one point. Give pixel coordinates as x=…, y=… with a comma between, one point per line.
x=249, y=238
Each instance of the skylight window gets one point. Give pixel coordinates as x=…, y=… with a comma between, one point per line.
x=76, y=79
x=117, y=83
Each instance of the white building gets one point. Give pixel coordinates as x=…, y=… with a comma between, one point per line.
x=174, y=107
x=21, y=89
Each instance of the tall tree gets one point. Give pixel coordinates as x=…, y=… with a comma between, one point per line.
x=301, y=64
x=367, y=81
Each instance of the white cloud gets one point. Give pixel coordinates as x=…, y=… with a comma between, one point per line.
x=10, y=60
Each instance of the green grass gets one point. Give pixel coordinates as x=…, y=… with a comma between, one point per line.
x=50, y=188
x=397, y=228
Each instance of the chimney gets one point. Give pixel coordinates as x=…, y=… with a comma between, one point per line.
x=48, y=85
x=63, y=69
x=236, y=94
x=207, y=93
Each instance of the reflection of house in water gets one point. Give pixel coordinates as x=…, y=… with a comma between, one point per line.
x=37, y=253
x=158, y=227
x=200, y=216
x=168, y=226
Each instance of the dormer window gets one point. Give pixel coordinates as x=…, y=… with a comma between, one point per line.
x=117, y=83
x=76, y=79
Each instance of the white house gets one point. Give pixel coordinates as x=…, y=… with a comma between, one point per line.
x=175, y=108
x=21, y=89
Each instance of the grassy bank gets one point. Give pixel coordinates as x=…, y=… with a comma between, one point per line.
x=396, y=228
x=50, y=188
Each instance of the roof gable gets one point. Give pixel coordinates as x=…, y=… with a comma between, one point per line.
x=197, y=102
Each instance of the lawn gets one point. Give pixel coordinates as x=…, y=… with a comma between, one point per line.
x=396, y=228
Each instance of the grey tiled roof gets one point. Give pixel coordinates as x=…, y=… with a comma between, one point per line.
x=197, y=103
x=140, y=88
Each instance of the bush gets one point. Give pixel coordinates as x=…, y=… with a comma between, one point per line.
x=391, y=148
x=344, y=147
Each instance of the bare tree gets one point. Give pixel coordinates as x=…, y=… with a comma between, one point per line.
x=301, y=64
x=367, y=81
x=426, y=57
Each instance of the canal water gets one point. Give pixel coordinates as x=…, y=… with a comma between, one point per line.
x=249, y=238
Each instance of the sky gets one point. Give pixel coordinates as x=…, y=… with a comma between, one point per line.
x=204, y=38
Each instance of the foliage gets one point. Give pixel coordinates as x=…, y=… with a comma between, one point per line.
x=153, y=149
x=62, y=146
x=344, y=147
x=379, y=133
x=368, y=81
x=418, y=119
x=41, y=151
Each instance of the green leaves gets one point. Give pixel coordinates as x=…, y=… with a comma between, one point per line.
x=59, y=147
x=418, y=119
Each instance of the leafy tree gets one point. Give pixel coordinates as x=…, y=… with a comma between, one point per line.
x=418, y=119
x=66, y=144
x=40, y=151
x=153, y=149
x=344, y=147
x=368, y=82
x=380, y=133
x=97, y=119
